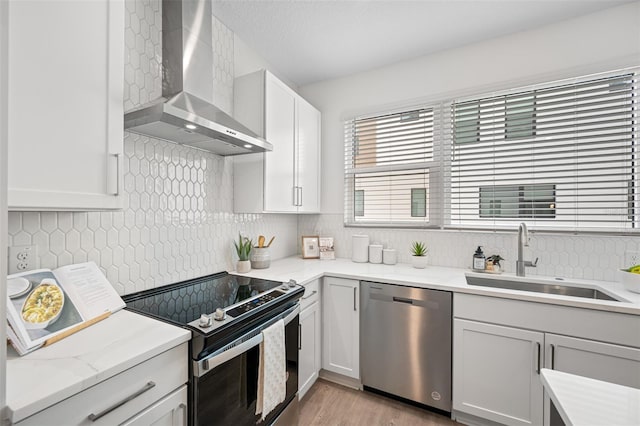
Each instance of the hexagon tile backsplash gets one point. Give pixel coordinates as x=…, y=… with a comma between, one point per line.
x=177, y=222
x=572, y=256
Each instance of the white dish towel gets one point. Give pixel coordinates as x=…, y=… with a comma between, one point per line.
x=272, y=369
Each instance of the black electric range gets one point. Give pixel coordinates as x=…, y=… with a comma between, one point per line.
x=226, y=315
x=246, y=302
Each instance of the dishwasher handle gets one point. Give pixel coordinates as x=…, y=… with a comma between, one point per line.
x=381, y=297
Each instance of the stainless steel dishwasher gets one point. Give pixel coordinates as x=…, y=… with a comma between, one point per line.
x=405, y=346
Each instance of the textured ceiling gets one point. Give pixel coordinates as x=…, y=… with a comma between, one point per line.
x=314, y=40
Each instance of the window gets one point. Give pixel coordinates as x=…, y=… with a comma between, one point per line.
x=562, y=157
x=388, y=162
x=418, y=202
x=358, y=206
x=518, y=201
x=559, y=156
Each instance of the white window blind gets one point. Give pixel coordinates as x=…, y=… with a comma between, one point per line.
x=389, y=162
x=561, y=158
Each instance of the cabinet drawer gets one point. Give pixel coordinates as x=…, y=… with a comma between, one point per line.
x=129, y=392
x=311, y=294
x=171, y=410
x=610, y=327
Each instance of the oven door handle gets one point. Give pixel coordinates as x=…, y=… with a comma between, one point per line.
x=205, y=365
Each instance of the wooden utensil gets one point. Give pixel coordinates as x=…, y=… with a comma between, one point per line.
x=261, y=241
x=77, y=328
x=271, y=240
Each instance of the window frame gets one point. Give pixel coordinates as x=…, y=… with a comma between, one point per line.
x=352, y=172
x=439, y=202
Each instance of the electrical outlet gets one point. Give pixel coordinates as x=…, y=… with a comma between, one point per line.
x=631, y=258
x=22, y=258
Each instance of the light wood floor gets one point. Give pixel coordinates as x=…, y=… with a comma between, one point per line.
x=330, y=404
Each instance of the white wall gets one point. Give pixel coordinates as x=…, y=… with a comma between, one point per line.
x=247, y=60
x=602, y=41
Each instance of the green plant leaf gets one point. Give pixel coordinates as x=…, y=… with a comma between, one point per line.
x=419, y=248
x=243, y=247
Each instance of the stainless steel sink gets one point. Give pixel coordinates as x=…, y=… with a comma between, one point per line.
x=584, y=292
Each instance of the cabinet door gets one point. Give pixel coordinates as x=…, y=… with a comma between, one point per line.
x=308, y=157
x=65, y=100
x=341, y=326
x=496, y=372
x=280, y=131
x=596, y=360
x=169, y=411
x=309, y=354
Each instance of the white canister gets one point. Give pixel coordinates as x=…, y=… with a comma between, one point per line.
x=389, y=256
x=375, y=253
x=360, y=248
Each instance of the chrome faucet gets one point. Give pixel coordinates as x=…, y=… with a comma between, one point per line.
x=523, y=241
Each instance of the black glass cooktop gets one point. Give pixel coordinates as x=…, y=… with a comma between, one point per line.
x=184, y=302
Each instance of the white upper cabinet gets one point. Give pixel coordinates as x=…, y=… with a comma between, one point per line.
x=287, y=179
x=280, y=130
x=308, y=157
x=66, y=77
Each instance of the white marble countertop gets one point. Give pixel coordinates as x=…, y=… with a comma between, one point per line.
x=444, y=278
x=49, y=375
x=583, y=401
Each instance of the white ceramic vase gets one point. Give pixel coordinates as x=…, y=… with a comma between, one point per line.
x=419, y=262
x=243, y=266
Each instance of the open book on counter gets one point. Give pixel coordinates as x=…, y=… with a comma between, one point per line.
x=44, y=306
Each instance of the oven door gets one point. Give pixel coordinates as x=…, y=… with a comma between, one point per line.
x=225, y=384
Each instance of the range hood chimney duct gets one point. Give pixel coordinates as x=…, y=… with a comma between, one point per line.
x=186, y=114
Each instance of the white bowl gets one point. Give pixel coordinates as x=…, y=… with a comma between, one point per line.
x=630, y=281
x=41, y=316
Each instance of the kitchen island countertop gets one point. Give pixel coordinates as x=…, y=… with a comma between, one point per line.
x=48, y=375
x=583, y=401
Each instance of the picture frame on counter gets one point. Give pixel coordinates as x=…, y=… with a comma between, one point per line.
x=327, y=251
x=311, y=247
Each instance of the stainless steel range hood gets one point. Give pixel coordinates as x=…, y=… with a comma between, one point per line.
x=186, y=113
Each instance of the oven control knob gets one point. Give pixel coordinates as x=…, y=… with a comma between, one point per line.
x=284, y=287
x=292, y=283
x=205, y=321
x=219, y=315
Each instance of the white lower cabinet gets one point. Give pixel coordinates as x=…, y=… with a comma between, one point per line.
x=496, y=372
x=309, y=350
x=309, y=354
x=151, y=392
x=499, y=346
x=169, y=411
x=596, y=360
x=341, y=326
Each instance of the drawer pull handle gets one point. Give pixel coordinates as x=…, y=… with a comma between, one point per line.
x=311, y=295
x=148, y=386
x=538, y=360
x=355, y=290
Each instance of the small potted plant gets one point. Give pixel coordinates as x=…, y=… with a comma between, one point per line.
x=419, y=252
x=495, y=262
x=243, y=249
